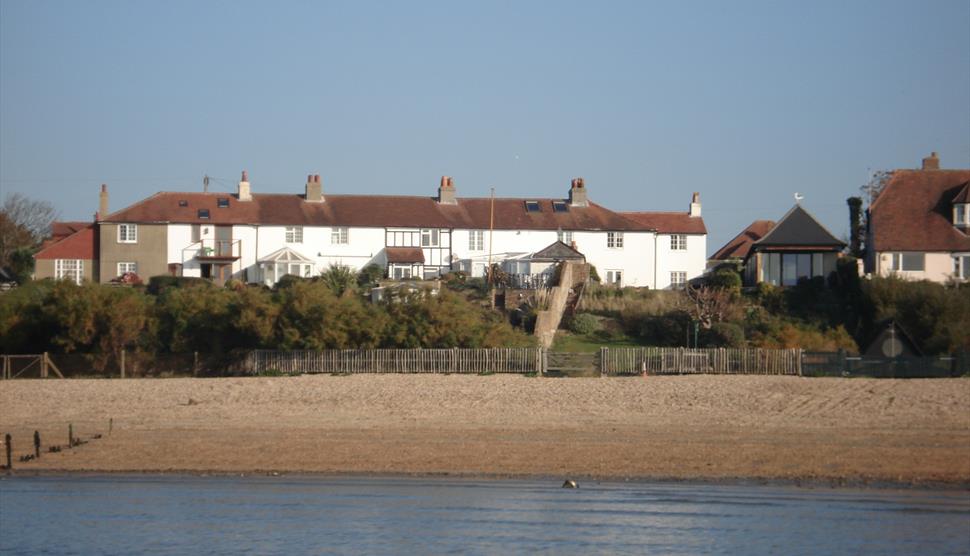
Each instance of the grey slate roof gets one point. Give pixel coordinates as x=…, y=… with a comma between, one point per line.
x=799, y=228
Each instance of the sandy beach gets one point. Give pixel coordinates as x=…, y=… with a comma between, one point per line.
x=827, y=430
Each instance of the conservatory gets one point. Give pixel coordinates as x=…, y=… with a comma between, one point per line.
x=282, y=262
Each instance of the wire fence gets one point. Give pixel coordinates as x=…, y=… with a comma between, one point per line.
x=607, y=362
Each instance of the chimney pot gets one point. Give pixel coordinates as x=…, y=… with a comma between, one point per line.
x=102, y=203
x=446, y=191
x=695, y=205
x=244, y=193
x=577, y=193
x=314, y=191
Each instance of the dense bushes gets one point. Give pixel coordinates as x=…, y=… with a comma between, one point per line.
x=190, y=316
x=842, y=312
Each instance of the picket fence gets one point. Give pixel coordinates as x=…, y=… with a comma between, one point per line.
x=718, y=361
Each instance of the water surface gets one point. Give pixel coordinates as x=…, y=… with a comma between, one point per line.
x=299, y=515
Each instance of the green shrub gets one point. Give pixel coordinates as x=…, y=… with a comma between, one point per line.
x=722, y=334
x=584, y=324
x=370, y=275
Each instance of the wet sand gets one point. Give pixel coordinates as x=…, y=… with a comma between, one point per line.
x=827, y=430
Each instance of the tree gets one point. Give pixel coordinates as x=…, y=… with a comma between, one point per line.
x=856, y=230
x=707, y=305
x=339, y=279
x=24, y=223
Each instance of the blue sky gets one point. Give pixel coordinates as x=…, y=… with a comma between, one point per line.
x=745, y=102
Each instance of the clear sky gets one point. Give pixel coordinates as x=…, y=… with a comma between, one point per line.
x=745, y=102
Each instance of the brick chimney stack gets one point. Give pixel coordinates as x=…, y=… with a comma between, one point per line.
x=446, y=192
x=695, y=204
x=244, y=193
x=931, y=162
x=314, y=189
x=577, y=193
x=102, y=203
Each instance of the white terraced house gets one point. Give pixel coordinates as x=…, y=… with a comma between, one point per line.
x=259, y=238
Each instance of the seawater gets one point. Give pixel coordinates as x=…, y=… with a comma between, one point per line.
x=320, y=515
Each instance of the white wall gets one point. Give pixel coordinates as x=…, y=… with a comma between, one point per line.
x=938, y=267
x=692, y=260
x=365, y=246
x=635, y=259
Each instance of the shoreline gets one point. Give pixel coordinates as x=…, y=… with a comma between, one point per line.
x=818, y=432
x=807, y=483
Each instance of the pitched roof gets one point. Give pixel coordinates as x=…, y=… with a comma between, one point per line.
x=798, y=228
x=914, y=212
x=668, y=222
x=81, y=244
x=405, y=255
x=285, y=254
x=557, y=251
x=380, y=211
x=964, y=195
x=740, y=245
x=63, y=229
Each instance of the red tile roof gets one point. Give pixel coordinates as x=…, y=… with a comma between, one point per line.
x=405, y=255
x=63, y=229
x=668, y=222
x=82, y=244
x=740, y=245
x=914, y=212
x=379, y=211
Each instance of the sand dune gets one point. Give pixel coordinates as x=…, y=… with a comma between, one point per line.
x=686, y=427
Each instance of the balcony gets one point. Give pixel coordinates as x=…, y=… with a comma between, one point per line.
x=217, y=250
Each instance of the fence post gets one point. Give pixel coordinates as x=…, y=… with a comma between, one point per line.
x=195, y=363
x=123, y=350
x=43, y=365
x=604, y=370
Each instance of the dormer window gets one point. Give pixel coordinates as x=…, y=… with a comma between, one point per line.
x=222, y=202
x=961, y=215
x=203, y=214
x=532, y=206
x=560, y=206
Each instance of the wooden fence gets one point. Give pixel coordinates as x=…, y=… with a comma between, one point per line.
x=673, y=361
x=459, y=361
x=13, y=366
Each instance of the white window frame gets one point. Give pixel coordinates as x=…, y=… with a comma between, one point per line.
x=293, y=234
x=565, y=236
x=430, y=237
x=127, y=266
x=340, y=235
x=961, y=266
x=614, y=240
x=69, y=269
x=678, y=279
x=476, y=240
x=678, y=242
x=896, y=261
x=614, y=277
x=961, y=209
x=127, y=233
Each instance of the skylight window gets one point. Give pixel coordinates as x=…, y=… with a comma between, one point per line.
x=222, y=202
x=183, y=203
x=560, y=206
x=204, y=214
x=532, y=206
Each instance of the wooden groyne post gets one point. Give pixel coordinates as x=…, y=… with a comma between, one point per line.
x=37, y=444
x=7, y=442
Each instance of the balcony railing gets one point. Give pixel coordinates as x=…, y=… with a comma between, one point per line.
x=217, y=249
